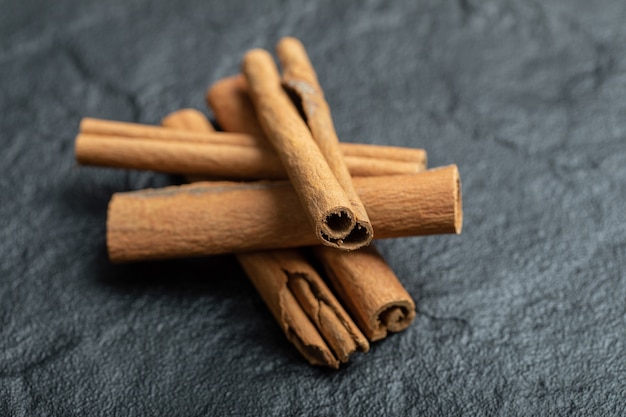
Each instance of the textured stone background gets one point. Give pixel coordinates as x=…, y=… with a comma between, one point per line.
x=523, y=314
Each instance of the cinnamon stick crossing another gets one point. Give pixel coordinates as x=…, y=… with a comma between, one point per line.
x=226, y=217
x=328, y=207
x=306, y=310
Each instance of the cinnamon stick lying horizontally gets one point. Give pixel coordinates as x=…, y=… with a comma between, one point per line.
x=109, y=128
x=234, y=111
x=224, y=161
x=327, y=205
x=212, y=218
x=306, y=310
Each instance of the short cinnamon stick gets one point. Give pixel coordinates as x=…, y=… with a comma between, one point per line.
x=291, y=288
x=369, y=289
x=328, y=207
x=234, y=111
x=225, y=217
x=300, y=79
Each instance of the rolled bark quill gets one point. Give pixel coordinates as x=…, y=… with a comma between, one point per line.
x=328, y=207
x=369, y=289
x=224, y=217
x=92, y=149
x=291, y=288
x=224, y=161
x=304, y=307
x=300, y=79
x=231, y=104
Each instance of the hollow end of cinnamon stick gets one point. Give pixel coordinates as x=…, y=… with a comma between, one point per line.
x=341, y=230
x=393, y=317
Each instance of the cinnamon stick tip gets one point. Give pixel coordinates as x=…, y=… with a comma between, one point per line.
x=255, y=56
x=317, y=355
x=289, y=42
x=178, y=116
x=392, y=317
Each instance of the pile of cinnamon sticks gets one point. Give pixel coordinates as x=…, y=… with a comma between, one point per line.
x=275, y=180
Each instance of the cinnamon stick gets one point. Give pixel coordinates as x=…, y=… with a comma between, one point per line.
x=328, y=207
x=113, y=128
x=369, y=289
x=291, y=289
x=288, y=284
x=212, y=218
x=234, y=111
x=110, y=128
x=300, y=79
x=221, y=160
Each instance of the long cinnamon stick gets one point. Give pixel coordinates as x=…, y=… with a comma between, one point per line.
x=291, y=288
x=328, y=207
x=110, y=128
x=225, y=161
x=284, y=276
x=234, y=111
x=224, y=217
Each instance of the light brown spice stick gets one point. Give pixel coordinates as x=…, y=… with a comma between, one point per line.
x=113, y=128
x=285, y=274
x=369, y=289
x=326, y=204
x=225, y=217
x=282, y=276
x=300, y=79
x=110, y=128
x=234, y=111
x=213, y=160
x=224, y=161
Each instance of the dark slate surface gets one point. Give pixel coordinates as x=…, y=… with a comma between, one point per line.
x=524, y=314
